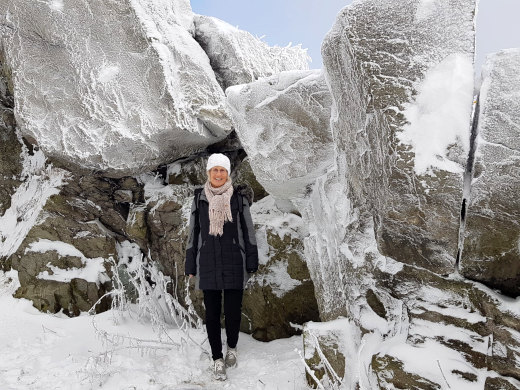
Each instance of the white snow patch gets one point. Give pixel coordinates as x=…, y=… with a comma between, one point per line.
x=93, y=271
x=451, y=311
x=425, y=9
x=279, y=279
x=440, y=115
x=499, y=349
x=56, y=5
x=82, y=234
x=265, y=212
x=108, y=73
x=44, y=351
x=130, y=255
x=27, y=202
x=435, y=362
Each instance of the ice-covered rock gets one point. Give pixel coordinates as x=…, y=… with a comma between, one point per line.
x=63, y=261
x=10, y=146
x=491, y=251
x=273, y=299
x=402, y=82
x=237, y=57
x=112, y=86
x=283, y=124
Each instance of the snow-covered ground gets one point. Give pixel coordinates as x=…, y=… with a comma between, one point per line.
x=115, y=350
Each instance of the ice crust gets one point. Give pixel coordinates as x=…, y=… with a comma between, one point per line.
x=405, y=135
x=283, y=124
x=237, y=57
x=491, y=250
x=114, y=86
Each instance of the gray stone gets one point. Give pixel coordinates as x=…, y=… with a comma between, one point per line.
x=10, y=146
x=281, y=293
x=283, y=124
x=403, y=152
x=125, y=87
x=491, y=252
x=73, y=232
x=237, y=57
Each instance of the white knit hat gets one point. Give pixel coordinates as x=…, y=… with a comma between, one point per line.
x=219, y=160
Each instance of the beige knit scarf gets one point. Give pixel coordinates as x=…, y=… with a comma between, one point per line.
x=219, y=206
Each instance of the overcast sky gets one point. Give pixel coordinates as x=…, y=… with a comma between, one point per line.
x=307, y=21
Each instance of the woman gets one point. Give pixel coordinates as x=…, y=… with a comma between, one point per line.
x=221, y=253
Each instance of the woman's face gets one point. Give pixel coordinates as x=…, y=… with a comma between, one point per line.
x=217, y=176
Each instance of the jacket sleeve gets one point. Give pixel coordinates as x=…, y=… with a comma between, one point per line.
x=191, y=249
x=248, y=230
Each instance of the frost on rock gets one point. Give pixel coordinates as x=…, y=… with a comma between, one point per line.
x=10, y=144
x=491, y=251
x=237, y=57
x=283, y=124
x=112, y=86
x=401, y=80
x=281, y=293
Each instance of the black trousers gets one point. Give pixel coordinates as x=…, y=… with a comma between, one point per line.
x=232, y=315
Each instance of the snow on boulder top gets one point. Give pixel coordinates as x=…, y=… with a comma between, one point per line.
x=283, y=123
x=114, y=86
x=238, y=57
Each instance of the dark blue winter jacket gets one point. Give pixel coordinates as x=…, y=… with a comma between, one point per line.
x=221, y=262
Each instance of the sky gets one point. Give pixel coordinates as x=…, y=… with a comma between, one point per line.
x=306, y=22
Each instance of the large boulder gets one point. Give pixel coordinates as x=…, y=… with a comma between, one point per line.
x=401, y=78
x=114, y=86
x=238, y=57
x=283, y=124
x=280, y=295
x=491, y=252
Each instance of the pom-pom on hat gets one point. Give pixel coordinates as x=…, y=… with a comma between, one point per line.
x=219, y=160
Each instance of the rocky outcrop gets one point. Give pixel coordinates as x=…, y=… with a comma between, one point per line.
x=125, y=87
x=405, y=143
x=10, y=146
x=64, y=262
x=280, y=296
x=491, y=251
x=273, y=297
x=283, y=124
x=237, y=57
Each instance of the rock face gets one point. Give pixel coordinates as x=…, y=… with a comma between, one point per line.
x=125, y=86
x=279, y=294
x=10, y=146
x=64, y=262
x=324, y=345
x=237, y=57
x=402, y=84
x=283, y=124
x=491, y=251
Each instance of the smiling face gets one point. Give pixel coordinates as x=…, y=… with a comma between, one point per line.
x=217, y=176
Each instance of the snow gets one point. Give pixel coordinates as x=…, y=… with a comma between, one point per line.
x=269, y=219
x=93, y=270
x=440, y=115
x=44, y=351
x=40, y=183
